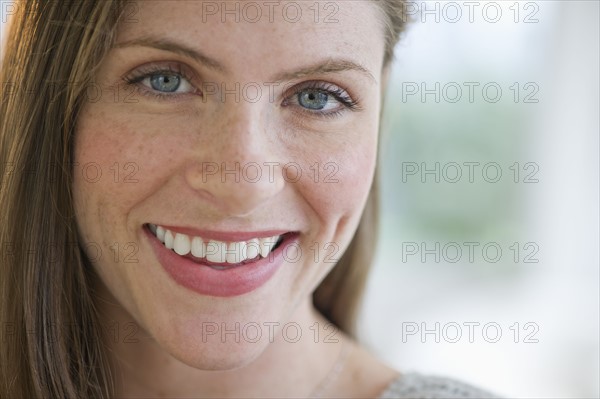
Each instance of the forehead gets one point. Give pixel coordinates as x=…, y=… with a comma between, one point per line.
x=269, y=35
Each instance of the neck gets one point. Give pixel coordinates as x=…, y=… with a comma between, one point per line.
x=141, y=368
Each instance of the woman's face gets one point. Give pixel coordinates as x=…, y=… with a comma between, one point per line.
x=224, y=133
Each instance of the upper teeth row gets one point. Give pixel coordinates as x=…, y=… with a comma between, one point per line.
x=213, y=250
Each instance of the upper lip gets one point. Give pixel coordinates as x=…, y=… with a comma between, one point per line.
x=223, y=235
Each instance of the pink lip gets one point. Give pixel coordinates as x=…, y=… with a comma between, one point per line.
x=224, y=236
x=233, y=281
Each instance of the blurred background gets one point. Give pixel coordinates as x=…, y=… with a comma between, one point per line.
x=488, y=267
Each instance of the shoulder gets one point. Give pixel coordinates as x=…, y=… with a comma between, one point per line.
x=416, y=385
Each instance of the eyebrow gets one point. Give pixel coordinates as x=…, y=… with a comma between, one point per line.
x=167, y=45
x=331, y=65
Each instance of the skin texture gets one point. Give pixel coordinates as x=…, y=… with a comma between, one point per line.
x=151, y=151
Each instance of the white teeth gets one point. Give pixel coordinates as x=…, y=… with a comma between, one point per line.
x=213, y=250
x=266, y=245
x=216, y=251
x=236, y=252
x=169, y=239
x=198, y=249
x=160, y=233
x=252, y=248
x=182, y=244
x=264, y=251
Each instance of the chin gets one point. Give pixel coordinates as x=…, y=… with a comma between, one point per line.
x=215, y=353
x=225, y=359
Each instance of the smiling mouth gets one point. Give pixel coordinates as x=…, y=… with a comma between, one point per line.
x=214, y=253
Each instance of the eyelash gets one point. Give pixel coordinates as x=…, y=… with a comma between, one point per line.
x=134, y=79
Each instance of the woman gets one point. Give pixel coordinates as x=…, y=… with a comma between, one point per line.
x=180, y=180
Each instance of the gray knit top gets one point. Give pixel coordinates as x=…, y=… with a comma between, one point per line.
x=419, y=386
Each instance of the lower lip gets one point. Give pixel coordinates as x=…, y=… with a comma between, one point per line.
x=228, y=282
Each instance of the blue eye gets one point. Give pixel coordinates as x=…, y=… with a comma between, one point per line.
x=165, y=83
x=162, y=82
x=318, y=98
x=313, y=99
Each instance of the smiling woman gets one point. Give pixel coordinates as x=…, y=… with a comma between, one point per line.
x=190, y=199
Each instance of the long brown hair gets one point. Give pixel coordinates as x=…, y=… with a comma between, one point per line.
x=49, y=346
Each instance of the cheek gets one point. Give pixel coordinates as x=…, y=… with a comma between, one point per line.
x=339, y=162
x=343, y=182
x=119, y=163
x=339, y=175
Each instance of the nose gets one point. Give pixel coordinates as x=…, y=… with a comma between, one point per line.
x=239, y=168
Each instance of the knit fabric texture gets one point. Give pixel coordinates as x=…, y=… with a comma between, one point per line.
x=420, y=386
